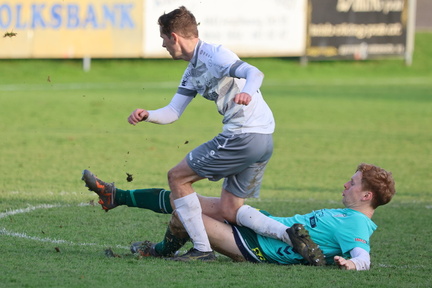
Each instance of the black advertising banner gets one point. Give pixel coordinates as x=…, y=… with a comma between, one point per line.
x=356, y=29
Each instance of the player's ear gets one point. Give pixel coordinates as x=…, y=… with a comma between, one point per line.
x=367, y=196
x=174, y=37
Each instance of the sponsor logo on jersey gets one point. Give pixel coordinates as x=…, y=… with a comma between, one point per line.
x=360, y=240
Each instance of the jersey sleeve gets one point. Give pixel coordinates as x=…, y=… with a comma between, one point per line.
x=186, y=88
x=357, y=234
x=171, y=112
x=360, y=258
x=220, y=64
x=254, y=77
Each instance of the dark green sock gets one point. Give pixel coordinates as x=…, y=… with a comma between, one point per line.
x=170, y=244
x=155, y=199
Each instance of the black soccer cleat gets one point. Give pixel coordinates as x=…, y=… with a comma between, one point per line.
x=194, y=255
x=304, y=245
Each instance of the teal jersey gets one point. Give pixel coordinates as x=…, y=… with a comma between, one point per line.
x=336, y=231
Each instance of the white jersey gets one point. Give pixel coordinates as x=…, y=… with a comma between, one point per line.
x=212, y=73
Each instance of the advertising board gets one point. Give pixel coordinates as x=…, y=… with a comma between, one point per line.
x=128, y=28
x=70, y=29
x=356, y=29
x=248, y=27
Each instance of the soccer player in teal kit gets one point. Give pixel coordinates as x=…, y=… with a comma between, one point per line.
x=343, y=234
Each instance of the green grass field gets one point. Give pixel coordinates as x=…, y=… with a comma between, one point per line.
x=57, y=120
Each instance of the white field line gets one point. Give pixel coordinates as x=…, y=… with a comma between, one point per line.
x=401, y=267
x=29, y=209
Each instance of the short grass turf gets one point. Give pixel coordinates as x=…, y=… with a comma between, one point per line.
x=57, y=120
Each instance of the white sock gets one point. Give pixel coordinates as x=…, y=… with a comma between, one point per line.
x=261, y=224
x=188, y=209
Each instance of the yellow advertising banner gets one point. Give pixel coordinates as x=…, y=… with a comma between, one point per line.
x=71, y=29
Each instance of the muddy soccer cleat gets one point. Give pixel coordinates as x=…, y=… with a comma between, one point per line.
x=303, y=245
x=194, y=255
x=105, y=191
x=144, y=249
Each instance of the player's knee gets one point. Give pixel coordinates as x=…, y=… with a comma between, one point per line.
x=173, y=176
x=229, y=214
x=177, y=183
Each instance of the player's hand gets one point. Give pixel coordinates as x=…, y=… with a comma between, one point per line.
x=242, y=98
x=344, y=264
x=137, y=116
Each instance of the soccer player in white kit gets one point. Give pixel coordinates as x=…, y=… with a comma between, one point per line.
x=239, y=154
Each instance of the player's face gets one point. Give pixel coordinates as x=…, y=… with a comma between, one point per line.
x=171, y=45
x=353, y=192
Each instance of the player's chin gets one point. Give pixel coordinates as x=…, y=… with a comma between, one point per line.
x=174, y=56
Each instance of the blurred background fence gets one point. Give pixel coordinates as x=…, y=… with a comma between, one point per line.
x=312, y=29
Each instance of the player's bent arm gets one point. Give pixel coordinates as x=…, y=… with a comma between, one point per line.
x=360, y=260
x=254, y=77
x=171, y=112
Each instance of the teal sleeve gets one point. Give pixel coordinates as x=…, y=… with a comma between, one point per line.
x=264, y=212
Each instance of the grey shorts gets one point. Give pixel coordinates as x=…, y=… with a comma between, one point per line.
x=241, y=159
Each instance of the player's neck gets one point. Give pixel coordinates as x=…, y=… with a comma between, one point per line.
x=188, y=47
x=368, y=211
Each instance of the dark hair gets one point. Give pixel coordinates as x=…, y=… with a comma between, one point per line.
x=180, y=21
x=379, y=181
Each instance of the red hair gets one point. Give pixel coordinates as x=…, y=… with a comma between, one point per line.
x=379, y=181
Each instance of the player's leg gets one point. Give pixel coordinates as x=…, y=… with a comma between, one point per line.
x=234, y=211
x=247, y=184
x=225, y=156
x=155, y=199
x=219, y=233
x=222, y=238
x=295, y=236
x=254, y=150
x=188, y=208
x=229, y=205
x=175, y=237
x=211, y=206
x=206, y=161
